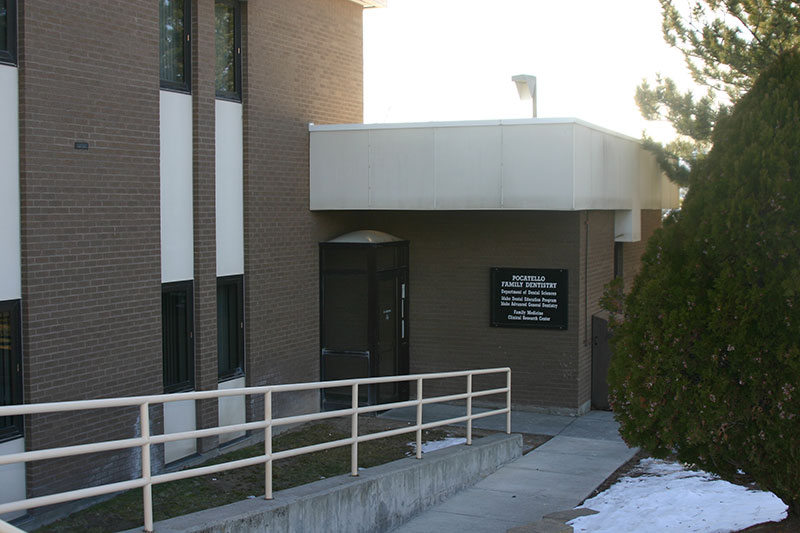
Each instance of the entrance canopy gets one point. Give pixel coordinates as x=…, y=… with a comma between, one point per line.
x=366, y=236
x=529, y=164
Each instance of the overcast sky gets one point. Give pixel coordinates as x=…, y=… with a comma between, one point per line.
x=432, y=60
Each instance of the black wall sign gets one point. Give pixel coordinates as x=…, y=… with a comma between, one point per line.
x=529, y=298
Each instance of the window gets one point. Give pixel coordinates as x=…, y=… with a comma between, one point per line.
x=177, y=338
x=230, y=327
x=8, y=31
x=10, y=367
x=175, y=44
x=618, y=252
x=228, y=49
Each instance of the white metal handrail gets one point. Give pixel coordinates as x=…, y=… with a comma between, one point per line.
x=145, y=440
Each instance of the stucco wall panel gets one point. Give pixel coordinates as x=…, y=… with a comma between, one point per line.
x=10, y=276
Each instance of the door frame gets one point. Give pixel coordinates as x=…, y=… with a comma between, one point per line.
x=400, y=272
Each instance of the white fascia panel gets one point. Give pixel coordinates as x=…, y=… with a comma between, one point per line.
x=372, y=3
x=179, y=417
x=231, y=409
x=628, y=225
x=402, y=169
x=670, y=193
x=12, y=488
x=339, y=170
x=542, y=164
x=538, y=167
x=229, y=188
x=177, y=244
x=468, y=167
x=10, y=259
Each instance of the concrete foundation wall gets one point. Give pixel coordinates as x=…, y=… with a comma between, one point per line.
x=379, y=499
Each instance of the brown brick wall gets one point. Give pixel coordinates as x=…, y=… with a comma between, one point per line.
x=597, y=269
x=90, y=221
x=203, y=204
x=303, y=63
x=632, y=251
x=451, y=254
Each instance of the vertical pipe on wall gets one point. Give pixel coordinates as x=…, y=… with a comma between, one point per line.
x=586, y=280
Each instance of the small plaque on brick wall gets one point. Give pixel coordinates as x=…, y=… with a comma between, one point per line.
x=529, y=298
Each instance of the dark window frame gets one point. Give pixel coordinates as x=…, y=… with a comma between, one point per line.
x=186, y=287
x=13, y=427
x=236, y=94
x=236, y=370
x=619, y=255
x=186, y=86
x=8, y=50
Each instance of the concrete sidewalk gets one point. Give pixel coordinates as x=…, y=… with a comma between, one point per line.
x=556, y=476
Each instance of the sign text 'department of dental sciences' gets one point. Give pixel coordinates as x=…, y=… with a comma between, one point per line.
x=529, y=298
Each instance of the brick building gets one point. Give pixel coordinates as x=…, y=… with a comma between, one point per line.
x=156, y=234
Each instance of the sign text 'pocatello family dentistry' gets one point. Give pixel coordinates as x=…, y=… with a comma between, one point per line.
x=529, y=297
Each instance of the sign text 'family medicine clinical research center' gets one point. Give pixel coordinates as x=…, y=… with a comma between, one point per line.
x=529, y=297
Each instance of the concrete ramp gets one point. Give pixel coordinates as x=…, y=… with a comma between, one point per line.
x=379, y=499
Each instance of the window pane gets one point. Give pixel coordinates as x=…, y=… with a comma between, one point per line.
x=345, y=312
x=225, y=47
x=173, y=40
x=10, y=372
x=4, y=25
x=344, y=258
x=229, y=328
x=176, y=326
x=5, y=361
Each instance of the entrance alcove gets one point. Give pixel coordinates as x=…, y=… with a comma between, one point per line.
x=364, y=315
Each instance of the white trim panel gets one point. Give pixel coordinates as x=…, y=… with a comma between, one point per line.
x=402, y=169
x=231, y=409
x=10, y=261
x=177, y=246
x=179, y=417
x=537, y=167
x=555, y=164
x=12, y=487
x=229, y=188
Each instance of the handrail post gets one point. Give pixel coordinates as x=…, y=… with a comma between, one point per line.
x=268, y=445
x=419, y=418
x=469, y=409
x=508, y=401
x=354, y=431
x=147, y=490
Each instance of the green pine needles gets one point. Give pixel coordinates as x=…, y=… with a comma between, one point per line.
x=707, y=344
x=725, y=44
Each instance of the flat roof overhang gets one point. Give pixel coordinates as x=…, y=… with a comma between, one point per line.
x=372, y=3
x=528, y=164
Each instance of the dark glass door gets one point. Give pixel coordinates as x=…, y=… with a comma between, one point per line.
x=363, y=319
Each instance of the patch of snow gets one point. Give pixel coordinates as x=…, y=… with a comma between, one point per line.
x=438, y=444
x=665, y=496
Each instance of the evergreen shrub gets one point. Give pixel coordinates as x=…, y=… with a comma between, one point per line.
x=707, y=344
